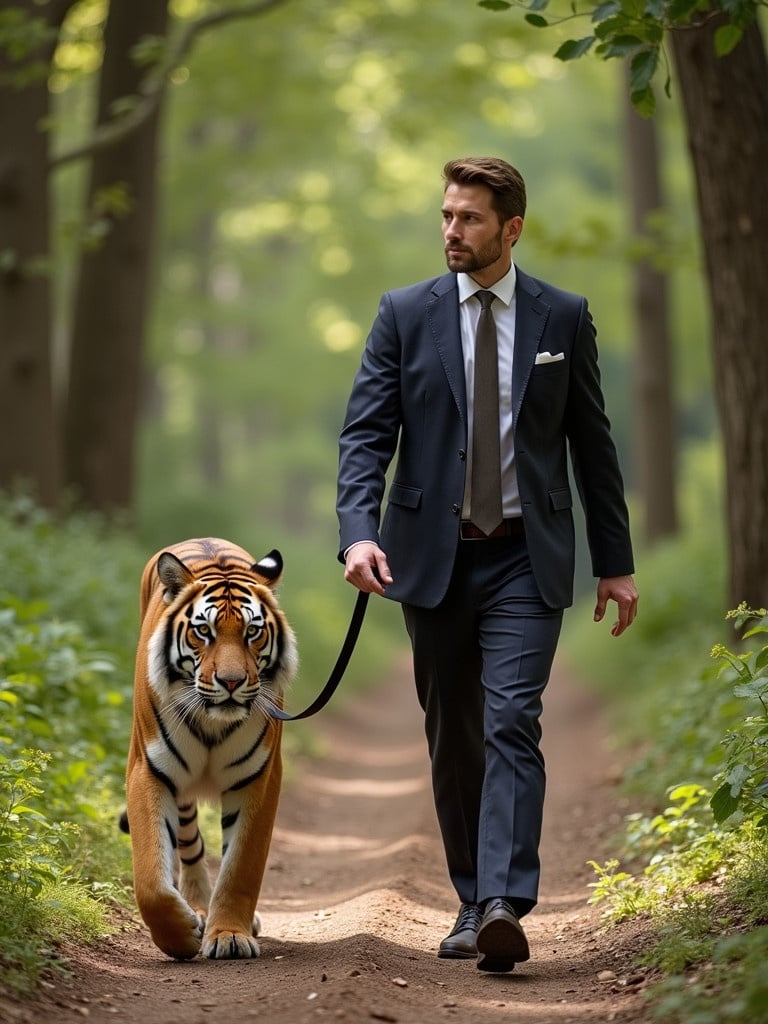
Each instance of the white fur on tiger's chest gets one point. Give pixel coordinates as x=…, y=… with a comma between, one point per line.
x=195, y=769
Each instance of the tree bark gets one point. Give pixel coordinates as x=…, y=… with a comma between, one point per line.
x=726, y=106
x=112, y=299
x=655, y=441
x=28, y=453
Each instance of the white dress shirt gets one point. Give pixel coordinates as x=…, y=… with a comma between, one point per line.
x=504, y=308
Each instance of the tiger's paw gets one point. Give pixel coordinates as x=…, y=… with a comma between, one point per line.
x=181, y=944
x=224, y=945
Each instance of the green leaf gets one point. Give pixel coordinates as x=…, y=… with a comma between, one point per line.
x=495, y=5
x=606, y=10
x=655, y=9
x=620, y=46
x=644, y=102
x=537, y=20
x=723, y=804
x=754, y=688
x=612, y=26
x=574, y=48
x=642, y=69
x=23, y=809
x=680, y=10
x=726, y=38
x=736, y=777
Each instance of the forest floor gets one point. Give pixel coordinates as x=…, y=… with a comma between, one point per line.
x=357, y=898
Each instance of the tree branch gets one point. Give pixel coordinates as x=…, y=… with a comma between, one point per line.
x=153, y=86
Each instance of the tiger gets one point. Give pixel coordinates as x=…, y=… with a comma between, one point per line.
x=215, y=653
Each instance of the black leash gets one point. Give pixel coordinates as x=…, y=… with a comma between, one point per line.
x=339, y=668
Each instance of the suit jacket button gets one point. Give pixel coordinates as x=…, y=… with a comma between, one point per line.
x=456, y=509
x=462, y=454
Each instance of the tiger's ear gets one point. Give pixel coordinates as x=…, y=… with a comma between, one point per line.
x=174, y=575
x=270, y=568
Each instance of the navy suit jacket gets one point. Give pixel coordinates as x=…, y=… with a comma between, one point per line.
x=409, y=399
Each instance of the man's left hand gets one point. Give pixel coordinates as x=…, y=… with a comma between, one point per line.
x=623, y=591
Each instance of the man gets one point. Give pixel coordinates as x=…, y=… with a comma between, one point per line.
x=477, y=542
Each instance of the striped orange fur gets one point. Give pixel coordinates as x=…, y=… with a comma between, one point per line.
x=215, y=652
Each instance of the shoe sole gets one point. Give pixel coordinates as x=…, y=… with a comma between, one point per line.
x=500, y=946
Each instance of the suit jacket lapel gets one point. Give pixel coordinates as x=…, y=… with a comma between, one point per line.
x=530, y=320
x=443, y=319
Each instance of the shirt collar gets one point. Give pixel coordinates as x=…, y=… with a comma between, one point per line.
x=503, y=289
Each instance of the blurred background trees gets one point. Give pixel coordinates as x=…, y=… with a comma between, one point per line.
x=200, y=203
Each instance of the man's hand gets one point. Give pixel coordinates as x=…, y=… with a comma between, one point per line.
x=622, y=590
x=367, y=568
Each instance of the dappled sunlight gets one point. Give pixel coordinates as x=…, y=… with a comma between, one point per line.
x=379, y=757
x=331, y=321
x=385, y=908
x=367, y=849
x=367, y=787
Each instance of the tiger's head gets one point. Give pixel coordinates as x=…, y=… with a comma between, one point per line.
x=223, y=647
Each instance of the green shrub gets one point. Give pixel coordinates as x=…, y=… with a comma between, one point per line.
x=68, y=611
x=41, y=898
x=743, y=788
x=702, y=863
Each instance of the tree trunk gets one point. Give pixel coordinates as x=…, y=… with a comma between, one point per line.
x=114, y=286
x=28, y=453
x=726, y=105
x=653, y=399
x=210, y=443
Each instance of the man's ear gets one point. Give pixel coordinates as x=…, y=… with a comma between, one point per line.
x=513, y=228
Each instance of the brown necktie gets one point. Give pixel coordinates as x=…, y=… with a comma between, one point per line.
x=485, y=500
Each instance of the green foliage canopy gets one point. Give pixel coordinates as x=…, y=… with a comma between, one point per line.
x=635, y=30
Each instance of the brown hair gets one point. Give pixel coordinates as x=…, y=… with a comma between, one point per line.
x=505, y=182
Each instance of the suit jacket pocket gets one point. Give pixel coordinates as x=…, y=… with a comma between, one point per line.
x=560, y=499
x=402, y=494
x=551, y=366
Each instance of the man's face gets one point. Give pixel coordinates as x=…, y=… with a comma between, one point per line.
x=475, y=242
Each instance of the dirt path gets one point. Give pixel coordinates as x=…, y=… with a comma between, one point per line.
x=356, y=900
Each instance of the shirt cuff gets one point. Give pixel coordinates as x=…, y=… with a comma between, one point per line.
x=347, y=550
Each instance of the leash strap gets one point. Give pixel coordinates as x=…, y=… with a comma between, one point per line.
x=353, y=631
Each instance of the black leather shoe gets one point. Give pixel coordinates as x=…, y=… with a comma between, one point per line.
x=501, y=941
x=459, y=944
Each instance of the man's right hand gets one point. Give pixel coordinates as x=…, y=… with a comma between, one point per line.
x=366, y=568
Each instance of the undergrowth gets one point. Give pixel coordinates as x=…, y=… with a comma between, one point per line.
x=698, y=869
x=67, y=622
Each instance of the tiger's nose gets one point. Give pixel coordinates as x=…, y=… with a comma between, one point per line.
x=231, y=682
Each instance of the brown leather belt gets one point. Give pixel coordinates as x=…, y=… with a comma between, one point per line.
x=506, y=528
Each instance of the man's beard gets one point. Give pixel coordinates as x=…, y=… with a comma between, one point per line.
x=468, y=261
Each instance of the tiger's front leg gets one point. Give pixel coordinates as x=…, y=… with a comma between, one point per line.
x=194, y=883
x=153, y=820
x=248, y=817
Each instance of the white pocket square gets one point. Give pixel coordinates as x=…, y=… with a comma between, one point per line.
x=547, y=357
